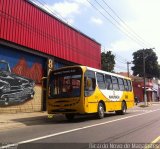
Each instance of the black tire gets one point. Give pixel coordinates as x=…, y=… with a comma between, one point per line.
x=100, y=113
x=69, y=116
x=124, y=109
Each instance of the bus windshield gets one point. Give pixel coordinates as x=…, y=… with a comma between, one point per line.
x=65, y=83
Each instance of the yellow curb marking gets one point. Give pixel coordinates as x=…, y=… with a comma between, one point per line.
x=153, y=145
x=156, y=140
x=50, y=116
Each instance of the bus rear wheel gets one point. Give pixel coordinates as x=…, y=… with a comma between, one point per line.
x=69, y=116
x=100, y=113
x=123, y=110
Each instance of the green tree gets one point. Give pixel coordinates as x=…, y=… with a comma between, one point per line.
x=152, y=68
x=107, y=61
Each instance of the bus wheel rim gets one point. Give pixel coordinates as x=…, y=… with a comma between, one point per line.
x=124, y=108
x=101, y=111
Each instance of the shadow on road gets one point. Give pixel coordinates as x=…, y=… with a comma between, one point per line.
x=59, y=119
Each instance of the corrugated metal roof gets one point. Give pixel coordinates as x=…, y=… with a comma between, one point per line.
x=26, y=25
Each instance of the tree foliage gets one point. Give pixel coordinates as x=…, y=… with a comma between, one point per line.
x=107, y=61
x=152, y=68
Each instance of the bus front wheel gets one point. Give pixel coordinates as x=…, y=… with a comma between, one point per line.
x=100, y=113
x=69, y=116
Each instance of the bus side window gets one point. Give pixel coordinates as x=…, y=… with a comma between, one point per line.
x=108, y=82
x=89, y=82
x=101, y=81
x=115, y=83
x=126, y=88
x=121, y=84
x=52, y=89
x=129, y=85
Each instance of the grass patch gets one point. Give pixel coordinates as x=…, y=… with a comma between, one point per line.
x=143, y=106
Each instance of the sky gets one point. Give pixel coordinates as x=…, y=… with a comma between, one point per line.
x=121, y=26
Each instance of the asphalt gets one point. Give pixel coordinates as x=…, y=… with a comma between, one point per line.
x=15, y=120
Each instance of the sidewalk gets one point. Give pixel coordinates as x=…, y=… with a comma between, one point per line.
x=8, y=121
x=148, y=103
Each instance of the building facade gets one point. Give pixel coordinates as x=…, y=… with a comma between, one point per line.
x=152, y=88
x=31, y=41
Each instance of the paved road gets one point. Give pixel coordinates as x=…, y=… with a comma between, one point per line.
x=139, y=125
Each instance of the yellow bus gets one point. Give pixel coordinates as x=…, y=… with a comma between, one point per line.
x=82, y=90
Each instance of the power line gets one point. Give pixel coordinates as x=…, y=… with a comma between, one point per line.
x=44, y=6
x=117, y=26
x=118, y=60
x=138, y=40
x=126, y=25
x=117, y=57
x=120, y=68
x=121, y=58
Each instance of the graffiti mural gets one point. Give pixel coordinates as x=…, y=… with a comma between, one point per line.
x=14, y=88
x=20, y=79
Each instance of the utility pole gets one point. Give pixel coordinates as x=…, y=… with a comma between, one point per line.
x=128, y=63
x=144, y=78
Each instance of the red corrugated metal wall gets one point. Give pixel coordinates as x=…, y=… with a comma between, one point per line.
x=27, y=25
